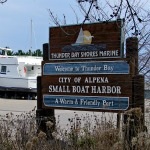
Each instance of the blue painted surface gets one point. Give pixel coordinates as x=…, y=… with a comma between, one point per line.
x=86, y=102
x=105, y=67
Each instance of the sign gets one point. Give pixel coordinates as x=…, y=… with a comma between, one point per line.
x=86, y=69
x=89, y=103
x=86, y=41
x=87, y=91
x=94, y=67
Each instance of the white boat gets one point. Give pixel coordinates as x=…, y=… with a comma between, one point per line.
x=19, y=73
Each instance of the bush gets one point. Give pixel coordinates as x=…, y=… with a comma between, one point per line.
x=89, y=132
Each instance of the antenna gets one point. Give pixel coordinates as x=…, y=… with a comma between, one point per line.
x=31, y=37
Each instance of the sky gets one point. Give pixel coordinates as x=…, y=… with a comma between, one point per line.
x=16, y=16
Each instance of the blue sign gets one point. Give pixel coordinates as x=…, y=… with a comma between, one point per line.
x=104, y=67
x=86, y=102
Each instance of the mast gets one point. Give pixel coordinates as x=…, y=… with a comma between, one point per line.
x=31, y=37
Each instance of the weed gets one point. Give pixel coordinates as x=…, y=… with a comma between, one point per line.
x=85, y=132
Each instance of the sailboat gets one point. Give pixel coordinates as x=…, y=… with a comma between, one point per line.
x=84, y=37
x=84, y=43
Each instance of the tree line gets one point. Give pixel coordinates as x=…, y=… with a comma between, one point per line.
x=37, y=52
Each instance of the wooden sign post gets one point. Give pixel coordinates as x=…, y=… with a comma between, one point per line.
x=84, y=68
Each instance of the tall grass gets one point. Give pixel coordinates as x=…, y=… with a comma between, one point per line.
x=86, y=132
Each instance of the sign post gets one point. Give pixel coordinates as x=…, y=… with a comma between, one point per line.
x=84, y=68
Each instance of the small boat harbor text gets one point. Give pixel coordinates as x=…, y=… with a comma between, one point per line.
x=84, y=89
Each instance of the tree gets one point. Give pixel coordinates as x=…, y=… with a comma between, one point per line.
x=3, y=1
x=29, y=53
x=37, y=52
x=19, y=53
x=10, y=53
x=136, y=22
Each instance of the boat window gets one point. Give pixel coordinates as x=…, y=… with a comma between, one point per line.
x=2, y=52
x=32, y=68
x=3, y=69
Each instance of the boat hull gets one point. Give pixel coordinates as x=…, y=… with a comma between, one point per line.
x=18, y=84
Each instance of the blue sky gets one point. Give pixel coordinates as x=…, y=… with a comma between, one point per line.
x=16, y=15
x=15, y=21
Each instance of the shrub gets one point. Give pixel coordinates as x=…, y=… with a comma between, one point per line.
x=92, y=132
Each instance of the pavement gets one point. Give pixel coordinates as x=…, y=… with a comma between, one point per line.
x=18, y=107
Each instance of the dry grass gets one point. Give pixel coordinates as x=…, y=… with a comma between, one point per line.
x=89, y=132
